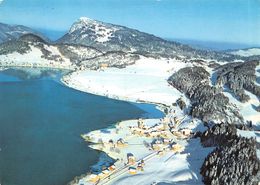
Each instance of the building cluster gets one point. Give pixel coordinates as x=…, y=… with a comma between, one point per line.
x=120, y=143
x=165, y=129
x=163, y=135
x=94, y=178
x=158, y=130
x=134, y=168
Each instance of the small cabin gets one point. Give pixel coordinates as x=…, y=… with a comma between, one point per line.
x=140, y=167
x=112, y=168
x=160, y=153
x=140, y=123
x=166, y=120
x=101, y=175
x=142, y=162
x=120, y=143
x=130, y=159
x=156, y=146
x=105, y=172
x=111, y=142
x=103, y=65
x=186, y=132
x=132, y=170
x=166, y=141
x=94, y=178
x=177, y=148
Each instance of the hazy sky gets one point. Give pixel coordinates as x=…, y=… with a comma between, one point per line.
x=210, y=20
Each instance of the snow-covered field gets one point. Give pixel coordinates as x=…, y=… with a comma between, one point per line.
x=102, y=31
x=34, y=58
x=247, y=52
x=144, y=81
x=170, y=167
x=246, y=109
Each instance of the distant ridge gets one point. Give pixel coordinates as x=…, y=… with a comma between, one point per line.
x=110, y=37
x=12, y=32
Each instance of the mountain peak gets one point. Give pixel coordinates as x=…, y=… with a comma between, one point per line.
x=81, y=23
x=86, y=20
x=91, y=29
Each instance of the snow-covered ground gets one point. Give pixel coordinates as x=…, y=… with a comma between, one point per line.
x=250, y=134
x=246, y=109
x=247, y=52
x=171, y=167
x=101, y=30
x=34, y=58
x=144, y=81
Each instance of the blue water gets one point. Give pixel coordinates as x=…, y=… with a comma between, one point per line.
x=40, y=125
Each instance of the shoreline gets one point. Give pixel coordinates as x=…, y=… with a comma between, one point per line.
x=177, y=153
x=171, y=155
x=72, y=68
x=158, y=106
x=143, y=82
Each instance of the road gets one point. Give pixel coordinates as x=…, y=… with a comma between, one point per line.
x=124, y=169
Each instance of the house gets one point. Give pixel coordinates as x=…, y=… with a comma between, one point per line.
x=112, y=168
x=132, y=170
x=161, y=152
x=177, y=148
x=103, y=65
x=140, y=167
x=94, y=178
x=105, y=172
x=111, y=143
x=120, y=143
x=166, y=120
x=130, y=159
x=186, y=132
x=140, y=123
x=156, y=146
x=166, y=141
x=101, y=175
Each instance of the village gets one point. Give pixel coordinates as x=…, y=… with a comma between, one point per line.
x=134, y=143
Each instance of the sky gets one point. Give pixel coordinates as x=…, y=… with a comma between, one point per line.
x=236, y=21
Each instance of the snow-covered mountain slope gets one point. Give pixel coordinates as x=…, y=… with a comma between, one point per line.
x=11, y=32
x=246, y=52
x=110, y=37
x=98, y=31
x=31, y=49
x=143, y=81
x=37, y=54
